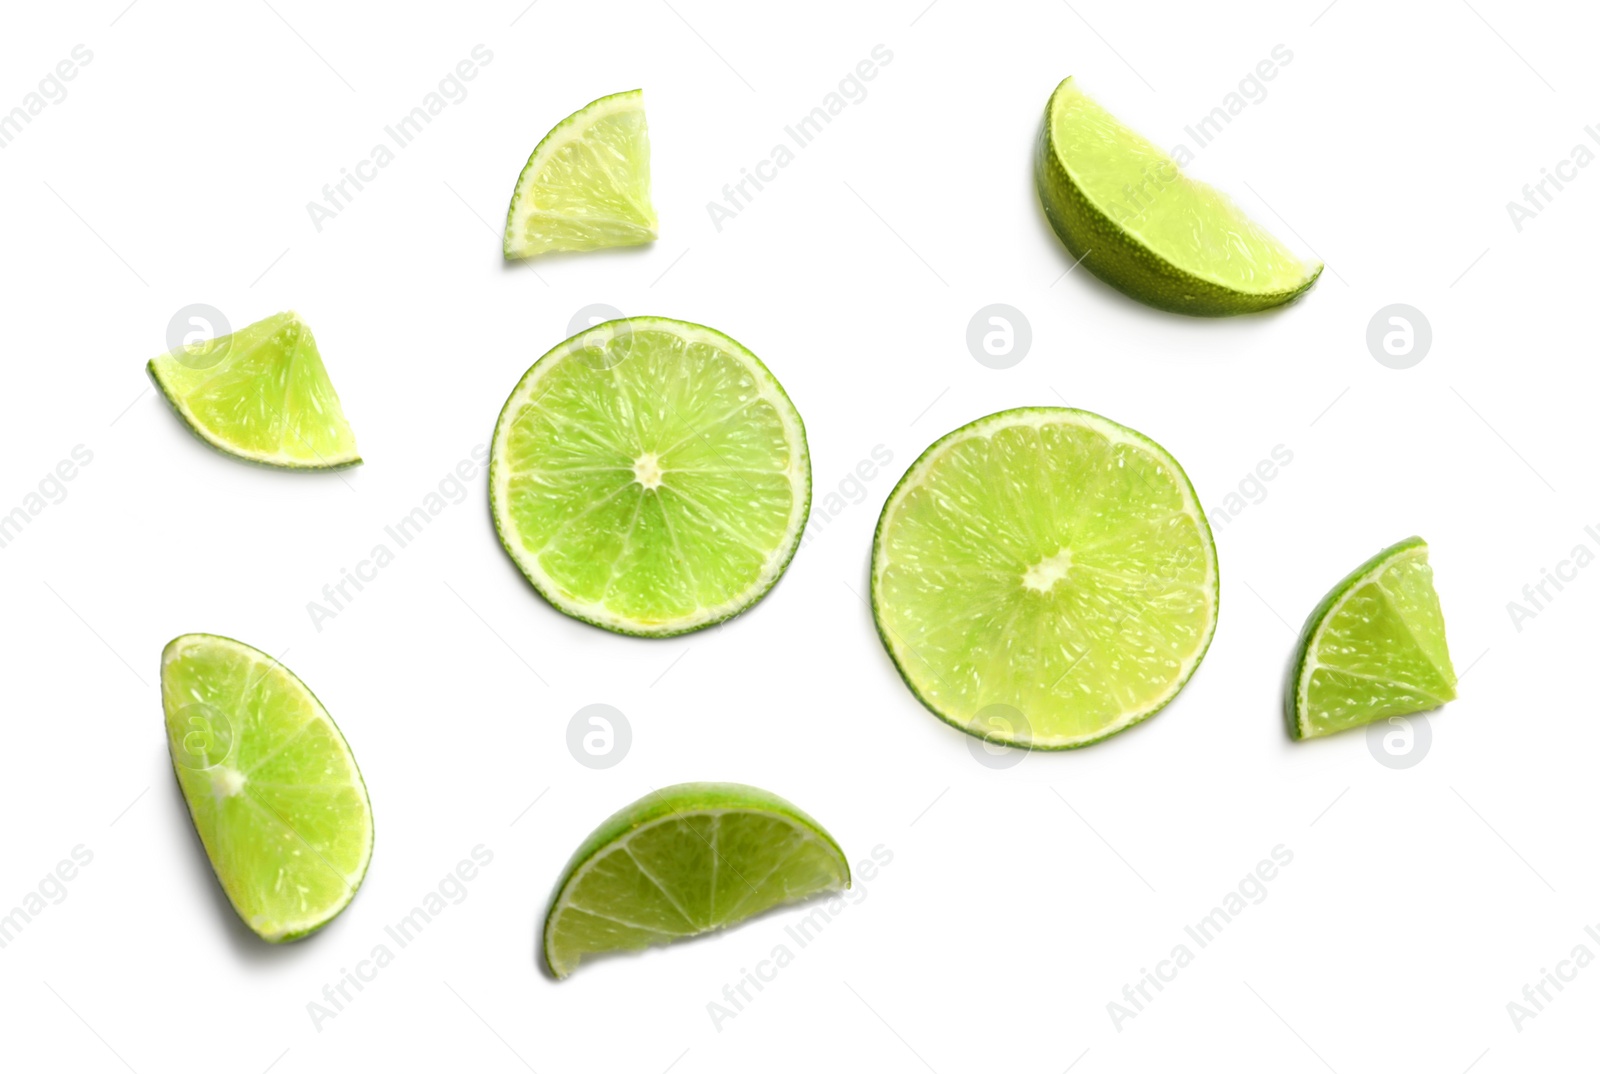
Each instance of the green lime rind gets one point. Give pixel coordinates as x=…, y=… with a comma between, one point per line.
x=636, y=224
x=999, y=420
x=1295, y=705
x=199, y=788
x=297, y=395
x=500, y=474
x=683, y=803
x=223, y=448
x=1125, y=260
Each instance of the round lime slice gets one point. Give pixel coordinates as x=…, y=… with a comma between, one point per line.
x=1044, y=578
x=271, y=785
x=682, y=861
x=650, y=476
x=1122, y=206
x=587, y=184
x=260, y=394
x=1373, y=648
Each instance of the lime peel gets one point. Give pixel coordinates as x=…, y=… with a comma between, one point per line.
x=682, y=861
x=1049, y=565
x=260, y=394
x=586, y=186
x=1378, y=639
x=271, y=785
x=1123, y=208
x=650, y=476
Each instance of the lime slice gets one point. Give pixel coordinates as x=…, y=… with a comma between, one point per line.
x=260, y=394
x=587, y=184
x=1122, y=206
x=1373, y=648
x=682, y=861
x=650, y=476
x=1044, y=578
x=271, y=785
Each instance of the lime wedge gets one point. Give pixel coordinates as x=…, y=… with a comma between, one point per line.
x=1044, y=578
x=260, y=394
x=682, y=861
x=650, y=476
x=1373, y=648
x=271, y=785
x=1122, y=206
x=587, y=184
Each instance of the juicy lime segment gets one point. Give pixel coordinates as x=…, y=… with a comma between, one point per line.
x=1045, y=578
x=271, y=785
x=1123, y=207
x=587, y=184
x=650, y=476
x=260, y=394
x=1373, y=648
x=682, y=861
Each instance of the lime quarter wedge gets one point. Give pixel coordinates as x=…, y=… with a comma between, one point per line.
x=271, y=785
x=1044, y=578
x=650, y=476
x=587, y=184
x=1122, y=206
x=1373, y=648
x=682, y=861
x=260, y=394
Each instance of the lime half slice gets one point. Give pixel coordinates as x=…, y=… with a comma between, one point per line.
x=1122, y=206
x=270, y=782
x=587, y=184
x=1044, y=578
x=682, y=861
x=1374, y=648
x=260, y=394
x=650, y=476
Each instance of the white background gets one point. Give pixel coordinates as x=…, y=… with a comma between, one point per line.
x=1019, y=901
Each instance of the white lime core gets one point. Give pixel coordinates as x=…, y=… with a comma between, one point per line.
x=1047, y=572
x=226, y=782
x=647, y=470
